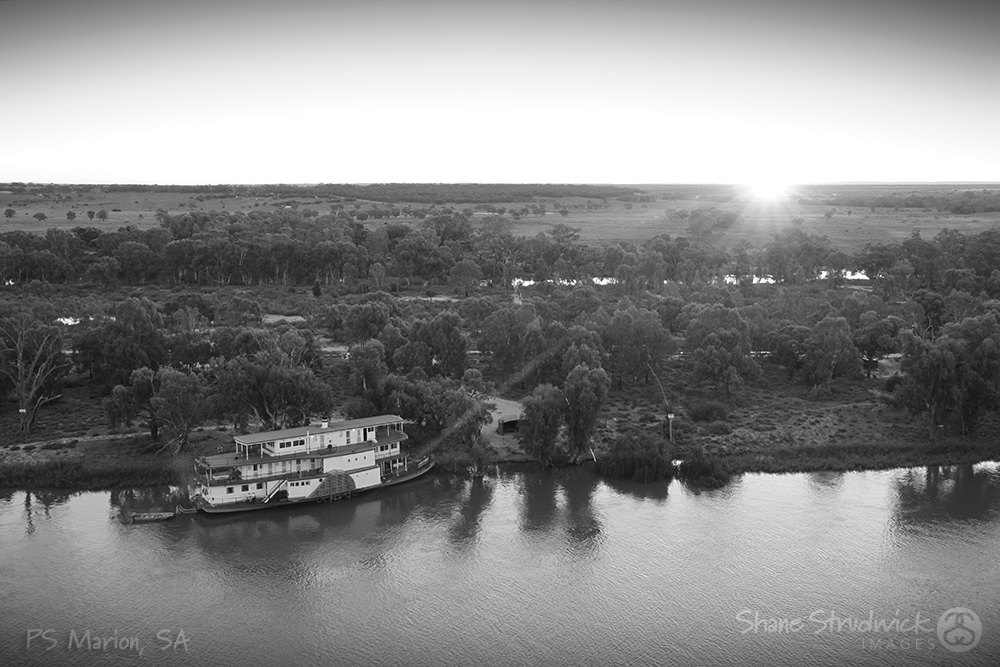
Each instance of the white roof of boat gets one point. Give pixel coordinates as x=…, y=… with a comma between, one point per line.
x=313, y=429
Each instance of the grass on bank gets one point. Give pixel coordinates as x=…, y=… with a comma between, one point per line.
x=870, y=456
x=641, y=458
x=87, y=476
x=102, y=464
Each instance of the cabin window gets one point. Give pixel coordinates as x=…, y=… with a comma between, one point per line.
x=260, y=485
x=299, y=443
x=229, y=489
x=298, y=461
x=348, y=437
x=246, y=487
x=255, y=467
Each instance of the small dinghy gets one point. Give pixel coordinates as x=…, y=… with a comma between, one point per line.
x=146, y=517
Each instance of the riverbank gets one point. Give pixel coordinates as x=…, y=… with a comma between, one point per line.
x=782, y=427
x=824, y=457
x=858, y=457
x=101, y=463
x=774, y=428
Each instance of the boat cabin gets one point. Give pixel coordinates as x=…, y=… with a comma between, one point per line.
x=328, y=459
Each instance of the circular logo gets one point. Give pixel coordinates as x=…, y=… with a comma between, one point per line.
x=959, y=629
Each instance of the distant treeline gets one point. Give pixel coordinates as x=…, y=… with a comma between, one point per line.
x=293, y=246
x=959, y=202
x=474, y=193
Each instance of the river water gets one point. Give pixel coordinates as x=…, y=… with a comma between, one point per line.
x=525, y=568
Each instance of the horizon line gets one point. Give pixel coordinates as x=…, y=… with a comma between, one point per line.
x=594, y=183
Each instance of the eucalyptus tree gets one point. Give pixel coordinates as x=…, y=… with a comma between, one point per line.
x=635, y=341
x=32, y=364
x=876, y=337
x=585, y=390
x=499, y=249
x=466, y=274
x=830, y=353
x=131, y=336
x=955, y=378
x=543, y=416
x=718, y=339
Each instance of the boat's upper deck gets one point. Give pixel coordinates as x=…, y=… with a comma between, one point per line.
x=312, y=447
x=381, y=422
x=239, y=457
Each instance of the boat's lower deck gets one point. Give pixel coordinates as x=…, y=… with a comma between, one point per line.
x=322, y=488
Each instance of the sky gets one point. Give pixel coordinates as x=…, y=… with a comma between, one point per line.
x=553, y=91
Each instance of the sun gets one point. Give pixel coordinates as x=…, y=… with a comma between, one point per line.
x=768, y=190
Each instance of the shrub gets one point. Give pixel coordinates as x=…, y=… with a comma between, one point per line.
x=719, y=428
x=893, y=381
x=708, y=411
x=703, y=470
x=641, y=458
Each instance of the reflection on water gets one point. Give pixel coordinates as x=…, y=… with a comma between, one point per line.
x=553, y=567
x=825, y=480
x=943, y=493
x=475, y=499
x=147, y=499
x=657, y=491
x=583, y=527
x=538, y=501
x=37, y=505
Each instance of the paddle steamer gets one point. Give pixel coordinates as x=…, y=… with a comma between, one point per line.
x=308, y=463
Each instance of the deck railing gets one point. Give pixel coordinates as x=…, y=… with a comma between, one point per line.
x=228, y=478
